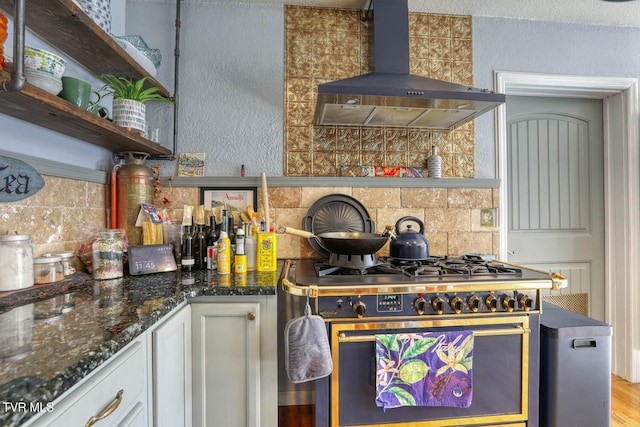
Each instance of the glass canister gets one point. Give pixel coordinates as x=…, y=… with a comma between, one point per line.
x=68, y=261
x=16, y=262
x=107, y=255
x=47, y=269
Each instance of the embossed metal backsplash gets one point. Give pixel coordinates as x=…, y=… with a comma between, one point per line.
x=323, y=45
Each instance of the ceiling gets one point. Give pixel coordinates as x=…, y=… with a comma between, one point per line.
x=616, y=13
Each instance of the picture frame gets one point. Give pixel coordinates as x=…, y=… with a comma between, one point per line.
x=236, y=198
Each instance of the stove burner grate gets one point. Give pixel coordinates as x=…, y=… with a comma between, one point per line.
x=468, y=265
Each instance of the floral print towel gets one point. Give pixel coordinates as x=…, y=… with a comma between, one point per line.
x=426, y=369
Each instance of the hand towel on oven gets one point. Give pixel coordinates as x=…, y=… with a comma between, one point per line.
x=424, y=369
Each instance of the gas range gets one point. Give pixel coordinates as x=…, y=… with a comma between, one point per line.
x=435, y=286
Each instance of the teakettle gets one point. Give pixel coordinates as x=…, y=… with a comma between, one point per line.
x=408, y=243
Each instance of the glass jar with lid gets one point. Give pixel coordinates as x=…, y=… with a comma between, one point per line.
x=16, y=262
x=107, y=255
x=68, y=261
x=47, y=269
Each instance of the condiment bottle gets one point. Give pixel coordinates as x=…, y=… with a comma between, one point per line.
x=200, y=249
x=187, y=261
x=16, y=262
x=212, y=244
x=240, y=257
x=250, y=247
x=107, y=255
x=224, y=253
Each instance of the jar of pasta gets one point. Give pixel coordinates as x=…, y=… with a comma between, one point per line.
x=107, y=255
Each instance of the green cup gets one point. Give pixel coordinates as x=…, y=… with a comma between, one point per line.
x=76, y=91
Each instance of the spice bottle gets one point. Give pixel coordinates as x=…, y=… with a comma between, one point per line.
x=16, y=262
x=107, y=255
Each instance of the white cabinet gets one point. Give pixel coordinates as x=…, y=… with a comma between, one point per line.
x=234, y=361
x=114, y=395
x=171, y=354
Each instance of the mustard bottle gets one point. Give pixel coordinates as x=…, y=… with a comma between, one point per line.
x=224, y=253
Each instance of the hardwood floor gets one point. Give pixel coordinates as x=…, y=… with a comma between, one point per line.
x=625, y=407
x=625, y=403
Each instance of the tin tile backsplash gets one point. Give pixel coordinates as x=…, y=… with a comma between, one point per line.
x=323, y=45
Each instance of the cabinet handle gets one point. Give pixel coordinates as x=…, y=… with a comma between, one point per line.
x=251, y=316
x=108, y=411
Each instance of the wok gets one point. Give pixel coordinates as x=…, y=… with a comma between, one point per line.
x=343, y=242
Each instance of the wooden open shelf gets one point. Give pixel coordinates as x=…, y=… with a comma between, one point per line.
x=64, y=25
x=39, y=107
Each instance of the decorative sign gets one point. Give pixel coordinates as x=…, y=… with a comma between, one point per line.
x=234, y=198
x=147, y=259
x=18, y=180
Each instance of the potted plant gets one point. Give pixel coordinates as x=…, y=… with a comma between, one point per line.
x=128, y=101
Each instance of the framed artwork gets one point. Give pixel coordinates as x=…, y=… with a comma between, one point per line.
x=237, y=198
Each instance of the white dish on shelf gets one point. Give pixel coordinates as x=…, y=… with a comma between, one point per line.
x=138, y=56
x=44, y=81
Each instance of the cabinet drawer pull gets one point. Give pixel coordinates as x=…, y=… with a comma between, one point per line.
x=251, y=316
x=108, y=410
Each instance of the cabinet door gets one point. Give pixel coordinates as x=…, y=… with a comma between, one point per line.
x=226, y=364
x=171, y=343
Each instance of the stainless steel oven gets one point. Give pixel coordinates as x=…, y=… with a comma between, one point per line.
x=500, y=305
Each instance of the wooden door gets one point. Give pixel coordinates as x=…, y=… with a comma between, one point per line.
x=556, y=191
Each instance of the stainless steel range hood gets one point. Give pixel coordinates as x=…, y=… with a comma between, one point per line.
x=390, y=96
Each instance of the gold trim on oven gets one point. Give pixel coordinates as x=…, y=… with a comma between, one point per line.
x=339, y=336
x=554, y=282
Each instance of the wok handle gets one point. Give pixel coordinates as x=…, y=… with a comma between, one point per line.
x=296, y=232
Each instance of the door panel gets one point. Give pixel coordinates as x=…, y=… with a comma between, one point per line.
x=556, y=191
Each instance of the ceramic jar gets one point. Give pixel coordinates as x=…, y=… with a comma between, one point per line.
x=434, y=163
x=129, y=114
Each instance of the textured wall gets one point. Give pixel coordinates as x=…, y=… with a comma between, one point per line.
x=330, y=44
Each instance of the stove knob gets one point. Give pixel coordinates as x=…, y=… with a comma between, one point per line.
x=359, y=308
x=508, y=303
x=438, y=305
x=456, y=304
x=491, y=302
x=474, y=303
x=525, y=302
x=421, y=305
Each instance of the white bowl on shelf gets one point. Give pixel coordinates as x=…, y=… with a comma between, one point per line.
x=44, y=81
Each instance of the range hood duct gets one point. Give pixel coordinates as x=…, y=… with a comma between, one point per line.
x=390, y=96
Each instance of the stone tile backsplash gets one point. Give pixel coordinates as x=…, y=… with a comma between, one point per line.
x=451, y=216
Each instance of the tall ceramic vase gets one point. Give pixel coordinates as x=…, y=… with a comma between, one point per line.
x=129, y=114
x=434, y=163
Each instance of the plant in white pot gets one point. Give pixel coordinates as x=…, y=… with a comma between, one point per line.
x=128, y=101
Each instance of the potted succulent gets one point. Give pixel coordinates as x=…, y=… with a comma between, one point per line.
x=128, y=101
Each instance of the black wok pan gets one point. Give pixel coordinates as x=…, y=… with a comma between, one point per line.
x=343, y=242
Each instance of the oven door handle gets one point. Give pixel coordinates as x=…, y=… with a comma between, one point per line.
x=517, y=330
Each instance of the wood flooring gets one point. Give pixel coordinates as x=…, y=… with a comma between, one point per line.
x=625, y=407
x=625, y=403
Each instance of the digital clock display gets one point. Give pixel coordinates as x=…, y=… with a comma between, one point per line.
x=389, y=302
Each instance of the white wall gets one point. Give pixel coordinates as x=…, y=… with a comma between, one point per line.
x=232, y=73
x=231, y=82
x=545, y=47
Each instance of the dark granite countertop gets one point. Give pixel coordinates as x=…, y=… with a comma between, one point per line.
x=52, y=336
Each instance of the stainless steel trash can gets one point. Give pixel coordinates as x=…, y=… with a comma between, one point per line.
x=575, y=369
